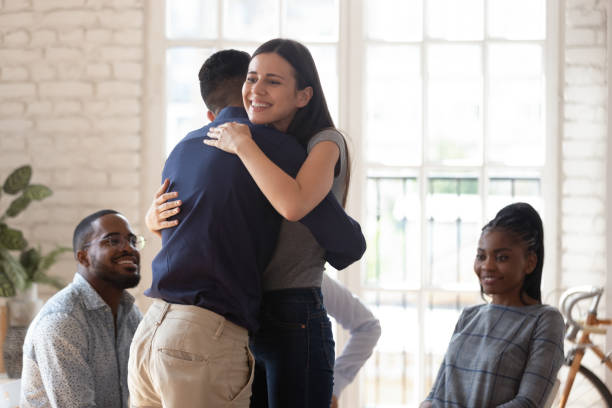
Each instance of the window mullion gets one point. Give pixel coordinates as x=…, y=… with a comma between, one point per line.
x=281, y=18
x=484, y=173
x=423, y=175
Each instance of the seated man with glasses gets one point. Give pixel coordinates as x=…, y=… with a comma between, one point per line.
x=76, y=350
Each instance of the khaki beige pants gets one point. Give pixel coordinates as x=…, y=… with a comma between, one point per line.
x=186, y=356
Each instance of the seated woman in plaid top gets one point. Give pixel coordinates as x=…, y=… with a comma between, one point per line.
x=505, y=353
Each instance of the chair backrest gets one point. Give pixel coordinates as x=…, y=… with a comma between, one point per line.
x=553, y=394
x=9, y=394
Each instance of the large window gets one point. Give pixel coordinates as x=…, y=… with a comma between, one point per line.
x=197, y=28
x=454, y=128
x=446, y=104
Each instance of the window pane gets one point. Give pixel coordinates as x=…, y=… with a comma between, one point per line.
x=455, y=20
x=325, y=57
x=516, y=128
x=185, y=109
x=454, y=121
x=393, y=20
x=393, y=90
x=255, y=20
x=390, y=374
x=301, y=15
x=392, y=232
x=517, y=19
x=504, y=190
x=515, y=60
x=454, y=116
x=191, y=19
x=448, y=61
x=453, y=225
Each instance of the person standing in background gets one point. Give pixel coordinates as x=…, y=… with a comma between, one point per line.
x=364, y=329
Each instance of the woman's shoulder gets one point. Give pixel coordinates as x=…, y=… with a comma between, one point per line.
x=537, y=311
x=551, y=315
x=470, y=312
x=547, y=320
x=549, y=310
x=327, y=135
x=543, y=311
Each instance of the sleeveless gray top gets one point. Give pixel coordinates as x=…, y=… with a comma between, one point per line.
x=298, y=260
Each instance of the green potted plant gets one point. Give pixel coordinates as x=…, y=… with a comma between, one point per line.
x=22, y=266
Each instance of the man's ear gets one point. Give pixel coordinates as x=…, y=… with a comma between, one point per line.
x=210, y=115
x=304, y=96
x=83, y=258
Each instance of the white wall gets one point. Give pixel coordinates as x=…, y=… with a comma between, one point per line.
x=71, y=93
x=584, y=143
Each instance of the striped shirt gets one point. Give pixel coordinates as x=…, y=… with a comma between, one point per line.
x=501, y=356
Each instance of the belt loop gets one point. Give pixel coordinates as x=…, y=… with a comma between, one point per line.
x=165, y=308
x=219, y=331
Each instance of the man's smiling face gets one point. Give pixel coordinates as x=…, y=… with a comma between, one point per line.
x=112, y=254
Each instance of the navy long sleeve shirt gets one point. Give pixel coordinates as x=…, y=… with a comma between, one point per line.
x=228, y=230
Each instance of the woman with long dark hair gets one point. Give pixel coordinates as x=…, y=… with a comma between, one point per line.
x=505, y=353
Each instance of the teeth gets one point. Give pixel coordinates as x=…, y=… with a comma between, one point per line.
x=260, y=105
x=126, y=261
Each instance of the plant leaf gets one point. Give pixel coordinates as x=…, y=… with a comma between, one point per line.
x=37, y=192
x=30, y=259
x=18, y=180
x=44, y=263
x=48, y=260
x=6, y=286
x=48, y=280
x=12, y=239
x=13, y=270
x=18, y=205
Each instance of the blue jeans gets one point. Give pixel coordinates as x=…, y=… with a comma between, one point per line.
x=294, y=351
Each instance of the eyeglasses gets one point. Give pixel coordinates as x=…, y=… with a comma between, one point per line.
x=117, y=241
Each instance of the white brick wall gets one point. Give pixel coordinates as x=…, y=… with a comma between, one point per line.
x=584, y=144
x=71, y=86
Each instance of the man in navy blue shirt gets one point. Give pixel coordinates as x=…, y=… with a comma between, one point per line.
x=192, y=347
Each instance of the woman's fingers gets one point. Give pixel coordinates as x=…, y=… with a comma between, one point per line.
x=162, y=189
x=168, y=224
x=214, y=132
x=162, y=208
x=165, y=197
x=168, y=213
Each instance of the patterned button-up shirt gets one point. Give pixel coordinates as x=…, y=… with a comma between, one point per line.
x=72, y=356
